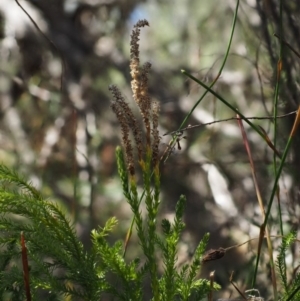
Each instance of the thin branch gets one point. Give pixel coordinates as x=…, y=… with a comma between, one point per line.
x=189, y=127
x=287, y=44
x=63, y=63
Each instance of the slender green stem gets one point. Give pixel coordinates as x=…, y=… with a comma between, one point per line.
x=275, y=113
x=151, y=225
x=173, y=141
x=278, y=174
x=208, y=89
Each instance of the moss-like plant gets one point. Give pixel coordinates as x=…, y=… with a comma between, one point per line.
x=291, y=290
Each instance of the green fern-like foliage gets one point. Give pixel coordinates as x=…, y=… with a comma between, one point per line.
x=173, y=284
x=182, y=284
x=292, y=289
x=59, y=266
x=280, y=263
x=127, y=278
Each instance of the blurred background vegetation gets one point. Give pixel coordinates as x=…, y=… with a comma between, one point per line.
x=63, y=136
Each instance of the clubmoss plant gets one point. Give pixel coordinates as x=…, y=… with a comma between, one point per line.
x=41, y=258
x=291, y=289
x=172, y=283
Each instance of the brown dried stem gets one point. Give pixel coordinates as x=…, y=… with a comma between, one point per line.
x=25, y=268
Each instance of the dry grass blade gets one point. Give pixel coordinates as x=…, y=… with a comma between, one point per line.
x=259, y=198
x=235, y=286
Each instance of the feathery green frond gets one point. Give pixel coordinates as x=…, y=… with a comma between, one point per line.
x=280, y=262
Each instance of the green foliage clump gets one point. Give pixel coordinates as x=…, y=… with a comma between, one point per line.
x=59, y=265
x=291, y=291
x=57, y=259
